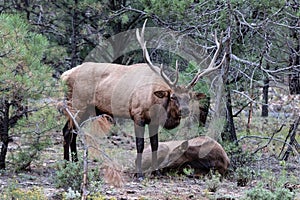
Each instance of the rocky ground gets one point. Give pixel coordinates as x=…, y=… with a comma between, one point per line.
x=171, y=186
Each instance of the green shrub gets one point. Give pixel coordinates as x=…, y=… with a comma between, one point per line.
x=243, y=175
x=17, y=193
x=283, y=193
x=213, y=181
x=264, y=194
x=259, y=193
x=69, y=175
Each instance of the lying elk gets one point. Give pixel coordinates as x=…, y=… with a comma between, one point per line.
x=201, y=154
x=141, y=92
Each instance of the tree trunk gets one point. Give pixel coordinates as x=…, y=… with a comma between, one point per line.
x=294, y=83
x=294, y=77
x=265, y=106
x=4, y=133
x=229, y=132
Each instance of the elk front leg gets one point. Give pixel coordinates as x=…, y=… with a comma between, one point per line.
x=73, y=147
x=153, y=132
x=69, y=143
x=139, y=136
x=67, y=140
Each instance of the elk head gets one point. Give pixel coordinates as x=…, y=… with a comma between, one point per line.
x=180, y=95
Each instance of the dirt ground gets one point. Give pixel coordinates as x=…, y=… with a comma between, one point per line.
x=42, y=173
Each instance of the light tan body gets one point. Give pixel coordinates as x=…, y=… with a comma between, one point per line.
x=118, y=90
x=135, y=92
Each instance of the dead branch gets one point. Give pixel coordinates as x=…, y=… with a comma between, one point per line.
x=270, y=140
x=85, y=157
x=291, y=135
x=117, y=180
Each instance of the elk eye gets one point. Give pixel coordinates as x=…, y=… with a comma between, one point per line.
x=173, y=97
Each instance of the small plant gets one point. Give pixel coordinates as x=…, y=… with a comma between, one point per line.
x=259, y=193
x=17, y=193
x=96, y=196
x=264, y=194
x=283, y=193
x=213, y=181
x=71, y=194
x=238, y=157
x=69, y=175
x=243, y=175
x=188, y=171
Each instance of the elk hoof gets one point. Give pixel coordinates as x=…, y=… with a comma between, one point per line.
x=139, y=177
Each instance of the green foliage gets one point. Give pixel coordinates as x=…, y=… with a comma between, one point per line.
x=264, y=194
x=238, y=157
x=243, y=175
x=33, y=133
x=71, y=194
x=188, y=171
x=26, y=86
x=173, y=9
x=13, y=192
x=271, y=187
x=213, y=181
x=21, y=69
x=70, y=175
x=259, y=193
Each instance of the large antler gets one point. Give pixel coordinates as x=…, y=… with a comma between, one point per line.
x=141, y=40
x=211, y=66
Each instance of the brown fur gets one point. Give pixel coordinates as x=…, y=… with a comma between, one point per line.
x=201, y=153
x=199, y=106
x=135, y=92
x=111, y=89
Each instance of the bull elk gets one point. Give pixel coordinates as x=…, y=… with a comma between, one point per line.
x=141, y=92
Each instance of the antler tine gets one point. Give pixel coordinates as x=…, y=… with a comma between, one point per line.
x=164, y=76
x=141, y=40
x=210, y=67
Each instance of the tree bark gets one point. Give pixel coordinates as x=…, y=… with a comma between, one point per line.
x=4, y=133
x=229, y=133
x=292, y=135
x=265, y=106
x=294, y=77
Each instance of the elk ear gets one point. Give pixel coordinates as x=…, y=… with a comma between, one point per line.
x=161, y=94
x=198, y=95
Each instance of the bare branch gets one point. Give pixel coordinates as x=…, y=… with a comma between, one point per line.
x=270, y=140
